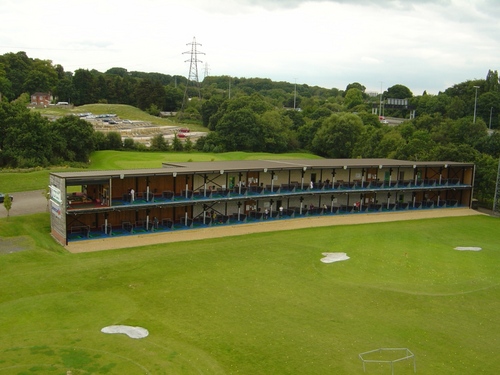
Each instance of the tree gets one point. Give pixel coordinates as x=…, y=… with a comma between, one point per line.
x=35, y=82
x=466, y=131
x=149, y=93
x=101, y=88
x=485, y=178
x=306, y=133
x=23, y=99
x=41, y=77
x=255, y=102
x=129, y=144
x=353, y=97
x=153, y=110
x=355, y=85
x=277, y=134
x=209, y=108
x=240, y=130
x=389, y=144
x=65, y=91
x=122, y=72
x=338, y=135
x=114, y=141
x=173, y=98
x=158, y=143
x=370, y=119
x=177, y=144
x=100, y=141
x=188, y=145
x=5, y=84
x=456, y=108
x=371, y=137
x=398, y=92
x=417, y=148
x=488, y=104
x=297, y=118
x=209, y=143
x=492, y=82
x=85, y=87
x=50, y=71
x=427, y=122
x=17, y=66
x=74, y=137
x=321, y=113
x=454, y=152
x=490, y=144
x=25, y=139
x=7, y=203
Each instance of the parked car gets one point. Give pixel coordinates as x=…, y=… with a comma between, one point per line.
x=2, y=197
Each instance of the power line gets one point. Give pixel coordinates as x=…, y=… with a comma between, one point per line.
x=193, y=70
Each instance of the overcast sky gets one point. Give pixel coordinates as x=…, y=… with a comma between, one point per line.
x=422, y=44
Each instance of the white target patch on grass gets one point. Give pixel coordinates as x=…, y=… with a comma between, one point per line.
x=334, y=257
x=468, y=248
x=132, y=332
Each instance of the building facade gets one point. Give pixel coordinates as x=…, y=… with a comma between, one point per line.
x=41, y=98
x=178, y=196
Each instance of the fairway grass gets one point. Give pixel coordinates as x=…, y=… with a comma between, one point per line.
x=106, y=160
x=262, y=303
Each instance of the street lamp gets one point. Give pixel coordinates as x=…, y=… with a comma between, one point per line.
x=475, y=104
x=295, y=95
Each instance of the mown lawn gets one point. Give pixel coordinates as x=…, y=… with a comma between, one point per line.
x=256, y=304
x=105, y=160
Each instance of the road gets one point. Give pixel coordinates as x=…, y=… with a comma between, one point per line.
x=25, y=203
x=393, y=121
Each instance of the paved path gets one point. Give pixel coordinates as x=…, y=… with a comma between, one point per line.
x=26, y=203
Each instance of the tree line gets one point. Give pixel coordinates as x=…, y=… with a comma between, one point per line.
x=29, y=140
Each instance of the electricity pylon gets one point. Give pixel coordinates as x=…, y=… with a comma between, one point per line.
x=193, y=70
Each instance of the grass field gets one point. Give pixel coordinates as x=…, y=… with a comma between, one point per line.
x=255, y=304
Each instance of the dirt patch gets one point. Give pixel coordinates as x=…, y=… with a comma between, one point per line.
x=265, y=226
x=14, y=244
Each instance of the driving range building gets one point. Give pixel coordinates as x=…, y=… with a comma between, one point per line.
x=180, y=196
